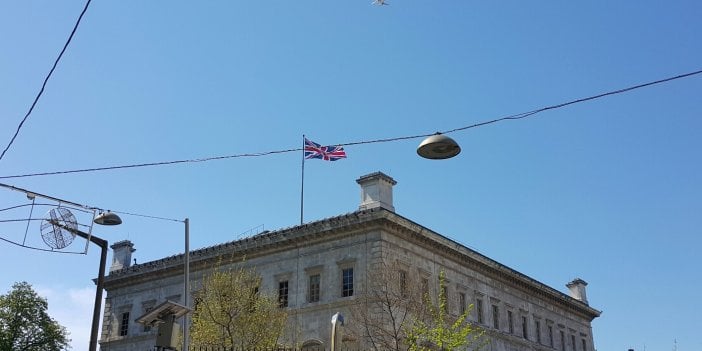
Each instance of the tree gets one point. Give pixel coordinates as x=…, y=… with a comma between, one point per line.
x=25, y=325
x=231, y=312
x=383, y=314
x=440, y=331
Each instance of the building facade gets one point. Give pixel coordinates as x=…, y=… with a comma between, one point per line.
x=321, y=268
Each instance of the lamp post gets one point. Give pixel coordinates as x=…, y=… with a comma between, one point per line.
x=336, y=318
x=186, y=285
x=107, y=218
x=98, y=290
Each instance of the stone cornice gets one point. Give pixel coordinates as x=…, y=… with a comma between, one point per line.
x=487, y=266
x=334, y=228
x=258, y=245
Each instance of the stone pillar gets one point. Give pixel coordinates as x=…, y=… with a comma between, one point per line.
x=577, y=289
x=376, y=191
x=121, y=255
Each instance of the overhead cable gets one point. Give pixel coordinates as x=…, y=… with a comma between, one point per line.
x=374, y=141
x=46, y=80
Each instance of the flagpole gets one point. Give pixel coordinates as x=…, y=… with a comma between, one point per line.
x=302, y=186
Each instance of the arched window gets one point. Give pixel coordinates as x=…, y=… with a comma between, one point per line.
x=312, y=345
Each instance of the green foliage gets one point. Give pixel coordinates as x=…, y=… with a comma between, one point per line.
x=25, y=325
x=231, y=312
x=440, y=331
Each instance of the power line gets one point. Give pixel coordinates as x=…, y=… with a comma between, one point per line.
x=374, y=141
x=46, y=80
x=527, y=114
x=162, y=163
x=148, y=216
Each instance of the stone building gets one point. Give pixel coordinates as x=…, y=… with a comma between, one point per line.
x=322, y=265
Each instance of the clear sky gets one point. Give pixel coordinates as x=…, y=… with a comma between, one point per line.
x=608, y=190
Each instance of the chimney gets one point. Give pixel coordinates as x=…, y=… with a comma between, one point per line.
x=376, y=191
x=577, y=289
x=121, y=255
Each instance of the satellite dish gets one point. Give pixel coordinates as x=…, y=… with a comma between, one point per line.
x=55, y=230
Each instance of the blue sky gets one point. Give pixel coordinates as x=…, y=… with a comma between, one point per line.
x=607, y=190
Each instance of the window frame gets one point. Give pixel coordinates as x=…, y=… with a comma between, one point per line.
x=462, y=303
x=283, y=293
x=510, y=321
x=314, y=292
x=402, y=283
x=347, y=283
x=124, y=324
x=479, y=310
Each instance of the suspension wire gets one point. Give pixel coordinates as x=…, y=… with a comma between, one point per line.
x=46, y=80
x=40, y=249
x=384, y=140
x=148, y=216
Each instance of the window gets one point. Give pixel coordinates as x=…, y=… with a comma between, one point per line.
x=572, y=342
x=312, y=345
x=147, y=327
x=584, y=344
x=124, y=324
x=283, y=294
x=550, y=335
x=495, y=317
x=347, y=282
x=254, y=298
x=403, y=283
x=462, y=302
x=479, y=310
x=444, y=293
x=524, y=328
x=510, y=321
x=538, y=331
x=562, y=341
x=314, y=288
x=425, y=287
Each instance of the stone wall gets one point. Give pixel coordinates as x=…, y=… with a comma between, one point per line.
x=357, y=240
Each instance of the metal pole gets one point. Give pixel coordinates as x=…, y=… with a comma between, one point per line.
x=100, y=282
x=333, y=336
x=302, y=183
x=186, y=285
x=98, y=294
x=336, y=318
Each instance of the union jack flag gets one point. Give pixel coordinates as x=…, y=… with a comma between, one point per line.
x=326, y=153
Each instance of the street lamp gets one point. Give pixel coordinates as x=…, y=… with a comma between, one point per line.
x=105, y=218
x=438, y=147
x=109, y=218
